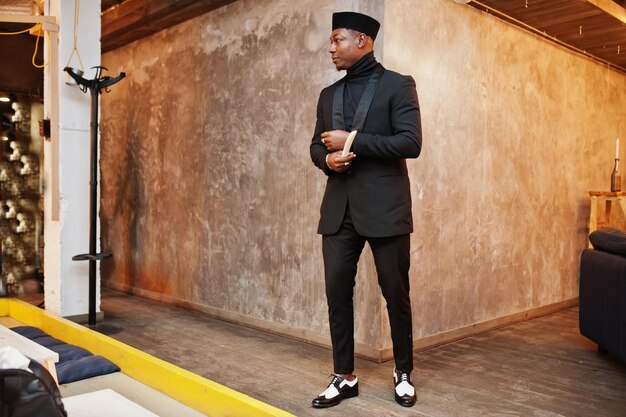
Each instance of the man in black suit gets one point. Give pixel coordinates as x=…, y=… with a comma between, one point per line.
x=367, y=197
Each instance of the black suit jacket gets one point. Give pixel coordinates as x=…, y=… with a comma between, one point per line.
x=377, y=184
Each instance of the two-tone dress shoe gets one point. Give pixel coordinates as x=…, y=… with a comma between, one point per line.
x=338, y=389
x=403, y=389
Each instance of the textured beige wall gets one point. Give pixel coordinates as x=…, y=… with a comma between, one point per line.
x=210, y=199
x=516, y=131
x=209, y=194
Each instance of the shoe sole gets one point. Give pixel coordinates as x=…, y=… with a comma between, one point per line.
x=351, y=393
x=403, y=404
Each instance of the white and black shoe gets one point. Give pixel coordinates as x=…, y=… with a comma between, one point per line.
x=338, y=389
x=403, y=388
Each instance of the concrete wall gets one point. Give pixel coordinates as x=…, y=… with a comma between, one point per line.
x=516, y=131
x=210, y=199
x=209, y=195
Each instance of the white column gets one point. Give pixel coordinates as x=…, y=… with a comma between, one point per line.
x=67, y=158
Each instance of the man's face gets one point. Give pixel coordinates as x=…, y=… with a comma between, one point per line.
x=344, y=48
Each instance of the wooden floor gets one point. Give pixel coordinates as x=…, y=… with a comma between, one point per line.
x=542, y=367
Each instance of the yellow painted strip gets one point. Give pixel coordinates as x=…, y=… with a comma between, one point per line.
x=193, y=390
x=4, y=307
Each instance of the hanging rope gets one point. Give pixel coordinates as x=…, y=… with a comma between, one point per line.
x=37, y=27
x=39, y=35
x=20, y=32
x=75, y=49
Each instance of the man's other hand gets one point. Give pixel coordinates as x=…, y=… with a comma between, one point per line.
x=334, y=139
x=339, y=163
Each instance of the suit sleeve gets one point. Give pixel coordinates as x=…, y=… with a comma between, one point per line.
x=317, y=148
x=406, y=141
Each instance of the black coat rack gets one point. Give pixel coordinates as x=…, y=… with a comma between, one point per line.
x=95, y=86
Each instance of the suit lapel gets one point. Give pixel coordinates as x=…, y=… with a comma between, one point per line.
x=338, y=121
x=366, y=99
x=364, y=103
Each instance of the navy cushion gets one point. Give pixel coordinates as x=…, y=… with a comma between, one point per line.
x=48, y=341
x=69, y=352
x=29, y=332
x=75, y=363
x=87, y=367
x=609, y=239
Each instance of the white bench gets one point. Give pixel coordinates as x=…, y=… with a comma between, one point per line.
x=103, y=403
x=33, y=350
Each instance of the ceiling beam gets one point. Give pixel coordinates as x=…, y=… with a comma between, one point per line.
x=612, y=8
x=135, y=19
x=107, y=4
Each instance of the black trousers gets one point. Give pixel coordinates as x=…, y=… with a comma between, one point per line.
x=341, y=253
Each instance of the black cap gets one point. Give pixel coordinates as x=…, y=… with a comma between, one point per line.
x=356, y=21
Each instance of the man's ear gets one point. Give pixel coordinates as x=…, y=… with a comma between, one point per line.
x=362, y=40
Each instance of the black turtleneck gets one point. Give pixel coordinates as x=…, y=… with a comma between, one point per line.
x=356, y=81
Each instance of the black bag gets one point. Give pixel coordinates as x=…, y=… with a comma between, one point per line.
x=26, y=394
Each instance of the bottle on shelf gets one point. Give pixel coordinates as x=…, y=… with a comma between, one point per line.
x=616, y=177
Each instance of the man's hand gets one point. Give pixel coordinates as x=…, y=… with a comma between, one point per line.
x=339, y=163
x=334, y=139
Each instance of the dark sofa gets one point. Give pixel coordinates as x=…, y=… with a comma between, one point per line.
x=602, y=304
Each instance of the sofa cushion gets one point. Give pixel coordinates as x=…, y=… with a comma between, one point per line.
x=609, y=239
